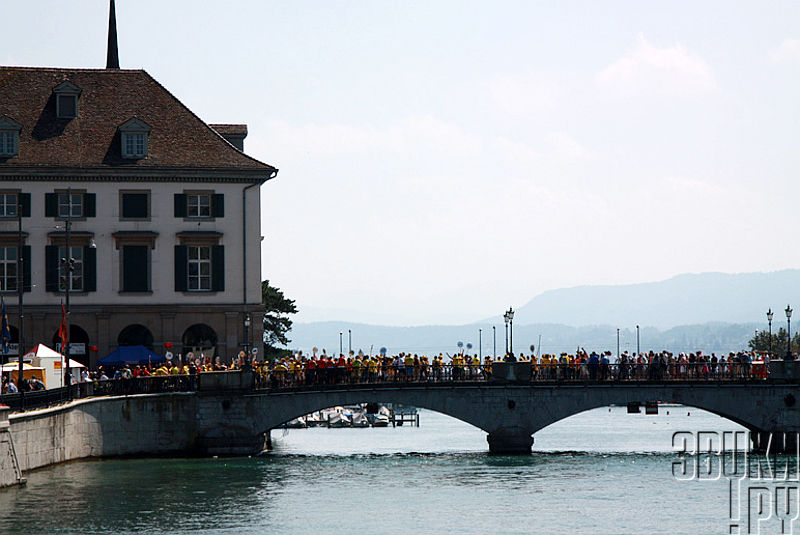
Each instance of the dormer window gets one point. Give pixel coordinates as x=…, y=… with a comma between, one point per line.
x=9, y=137
x=134, y=135
x=67, y=95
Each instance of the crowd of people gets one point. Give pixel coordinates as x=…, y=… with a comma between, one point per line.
x=323, y=369
x=581, y=365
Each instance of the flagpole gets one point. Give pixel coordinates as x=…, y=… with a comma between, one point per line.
x=20, y=291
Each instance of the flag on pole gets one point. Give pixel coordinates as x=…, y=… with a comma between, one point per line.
x=63, y=334
x=5, y=331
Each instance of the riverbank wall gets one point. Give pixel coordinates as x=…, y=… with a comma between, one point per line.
x=154, y=424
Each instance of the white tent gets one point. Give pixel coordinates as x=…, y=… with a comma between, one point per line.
x=52, y=362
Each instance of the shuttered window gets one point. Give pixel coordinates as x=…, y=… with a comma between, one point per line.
x=135, y=268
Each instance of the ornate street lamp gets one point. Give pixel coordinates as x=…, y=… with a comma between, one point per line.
x=246, y=338
x=509, y=317
x=789, y=355
x=20, y=292
x=506, y=319
x=770, y=314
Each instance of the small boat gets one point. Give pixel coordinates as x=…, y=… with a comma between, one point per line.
x=380, y=420
x=359, y=419
x=315, y=419
x=297, y=423
x=338, y=419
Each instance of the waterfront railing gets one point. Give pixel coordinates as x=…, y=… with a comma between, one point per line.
x=519, y=373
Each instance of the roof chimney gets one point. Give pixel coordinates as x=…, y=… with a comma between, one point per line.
x=112, y=57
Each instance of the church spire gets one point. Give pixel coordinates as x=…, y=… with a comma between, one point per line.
x=112, y=57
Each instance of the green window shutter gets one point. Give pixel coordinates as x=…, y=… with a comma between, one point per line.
x=181, y=260
x=26, y=268
x=89, y=205
x=218, y=268
x=51, y=268
x=219, y=205
x=180, y=205
x=25, y=201
x=50, y=205
x=90, y=269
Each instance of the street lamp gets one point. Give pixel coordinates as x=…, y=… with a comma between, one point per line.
x=480, y=344
x=638, y=349
x=341, y=349
x=617, y=342
x=769, y=320
x=494, y=342
x=789, y=355
x=511, y=330
x=349, y=342
x=246, y=339
x=506, y=319
x=20, y=292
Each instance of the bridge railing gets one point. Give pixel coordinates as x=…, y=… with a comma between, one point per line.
x=524, y=373
x=366, y=376
x=111, y=387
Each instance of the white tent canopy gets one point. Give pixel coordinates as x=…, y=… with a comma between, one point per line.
x=42, y=350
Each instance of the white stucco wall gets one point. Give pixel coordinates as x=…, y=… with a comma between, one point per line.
x=162, y=221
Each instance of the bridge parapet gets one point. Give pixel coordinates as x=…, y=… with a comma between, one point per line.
x=784, y=369
x=241, y=381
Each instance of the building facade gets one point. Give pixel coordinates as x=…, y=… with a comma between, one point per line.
x=163, y=213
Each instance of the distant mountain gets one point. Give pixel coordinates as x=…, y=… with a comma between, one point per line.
x=709, y=337
x=712, y=312
x=682, y=300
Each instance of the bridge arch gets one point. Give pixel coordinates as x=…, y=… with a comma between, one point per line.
x=511, y=415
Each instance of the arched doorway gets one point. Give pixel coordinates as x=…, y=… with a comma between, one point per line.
x=135, y=335
x=78, y=343
x=200, y=339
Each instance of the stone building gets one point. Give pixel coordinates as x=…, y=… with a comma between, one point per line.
x=163, y=209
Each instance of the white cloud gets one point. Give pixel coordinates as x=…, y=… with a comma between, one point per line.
x=532, y=93
x=405, y=136
x=567, y=146
x=649, y=70
x=788, y=50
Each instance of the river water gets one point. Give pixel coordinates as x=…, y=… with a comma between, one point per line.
x=600, y=472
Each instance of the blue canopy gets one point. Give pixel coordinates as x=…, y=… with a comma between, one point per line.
x=131, y=355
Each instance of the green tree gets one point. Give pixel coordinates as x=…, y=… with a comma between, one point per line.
x=761, y=342
x=277, y=323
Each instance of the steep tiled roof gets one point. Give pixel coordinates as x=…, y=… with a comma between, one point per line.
x=109, y=97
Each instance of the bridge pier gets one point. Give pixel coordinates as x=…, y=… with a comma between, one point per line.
x=510, y=441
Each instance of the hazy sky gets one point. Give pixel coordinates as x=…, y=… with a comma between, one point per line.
x=442, y=160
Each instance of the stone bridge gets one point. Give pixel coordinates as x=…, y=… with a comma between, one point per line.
x=239, y=422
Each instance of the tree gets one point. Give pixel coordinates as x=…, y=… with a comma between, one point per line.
x=761, y=343
x=277, y=323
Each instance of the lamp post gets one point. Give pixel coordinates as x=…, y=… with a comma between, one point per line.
x=20, y=291
x=67, y=267
x=480, y=344
x=494, y=342
x=617, y=343
x=510, y=330
x=246, y=340
x=349, y=341
x=638, y=349
x=341, y=349
x=769, y=320
x=506, y=319
x=789, y=355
